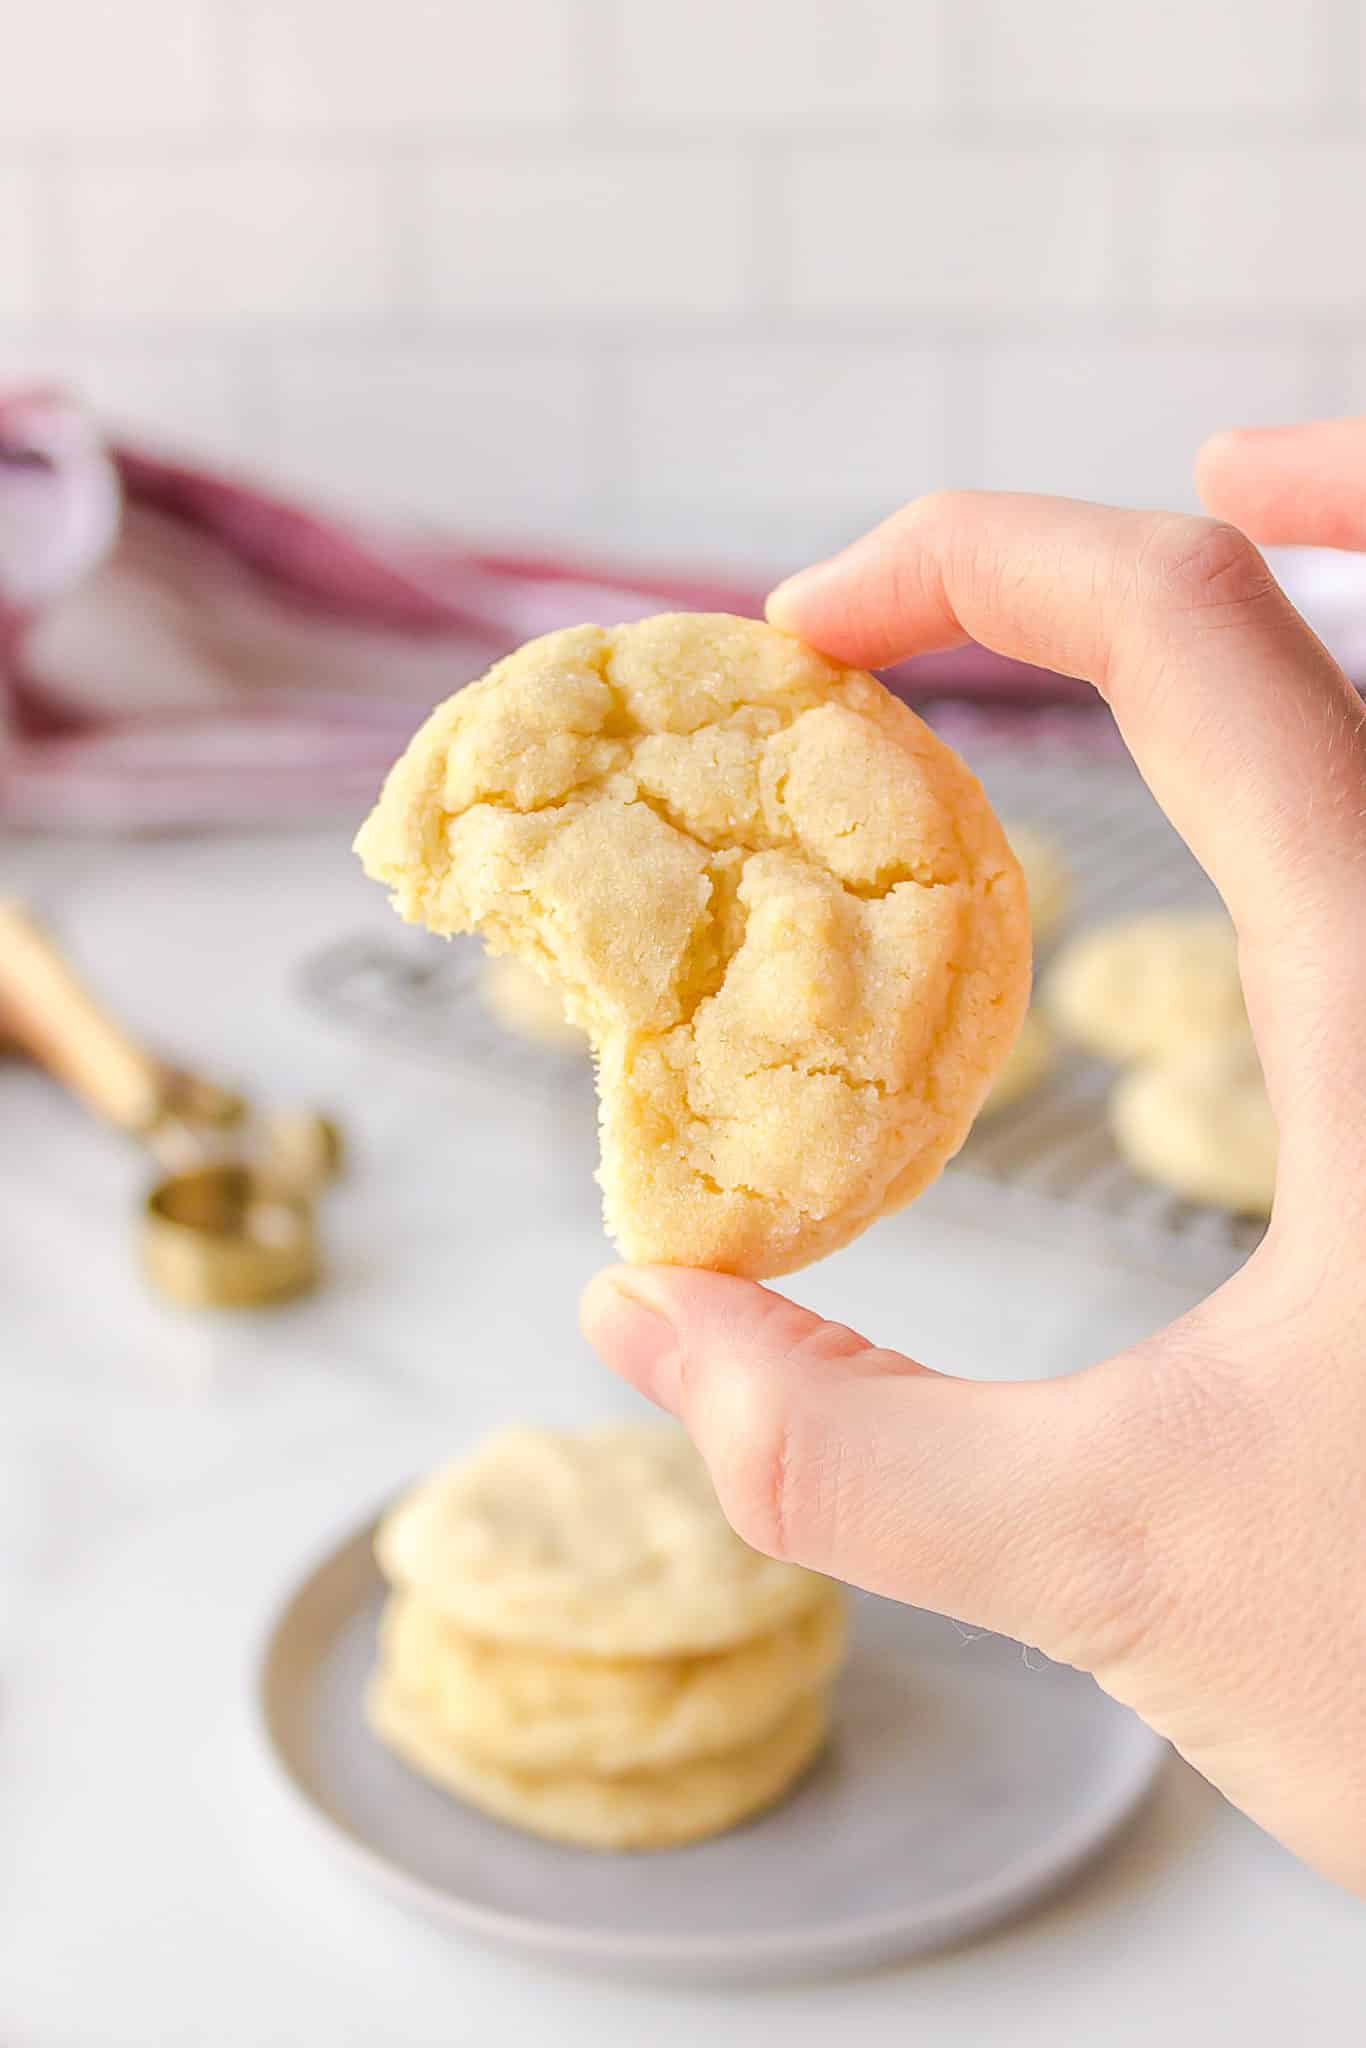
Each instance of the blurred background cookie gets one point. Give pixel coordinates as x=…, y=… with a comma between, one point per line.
x=579, y=1643
x=1149, y=986
x=531, y=1709
x=516, y=997
x=1028, y=1063
x=1200, y=1123
x=1048, y=880
x=603, y=1542
x=639, y=1810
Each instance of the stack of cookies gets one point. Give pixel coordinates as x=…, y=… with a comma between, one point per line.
x=577, y=1642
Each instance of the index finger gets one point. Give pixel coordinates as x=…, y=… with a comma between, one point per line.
x=1245, y=729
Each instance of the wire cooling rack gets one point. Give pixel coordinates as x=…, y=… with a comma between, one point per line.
x=1046, y=1166
x=1049, y=1161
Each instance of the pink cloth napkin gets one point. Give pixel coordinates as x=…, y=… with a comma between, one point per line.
x=182, y=649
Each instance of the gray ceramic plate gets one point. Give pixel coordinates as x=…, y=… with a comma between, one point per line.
x=963, y=1782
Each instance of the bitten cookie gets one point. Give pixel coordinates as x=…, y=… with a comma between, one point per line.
x=1202, y=1125
x=781, y=908
x=1149, y=986
x=641, y=1810
x=601, y=1542
x=605, y=1716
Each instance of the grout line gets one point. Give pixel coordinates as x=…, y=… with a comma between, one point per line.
x=530, y=333
x=961, y=34
x=1338, y=59
x=1058, y=132
x=1328, y=380
x=1134, y=213
x=606, y=376
x=770, y=238
x=409, y=206
x=53, y=239
x=964, y=455
x=256, y=401
x=232, y=28
x=598, y=55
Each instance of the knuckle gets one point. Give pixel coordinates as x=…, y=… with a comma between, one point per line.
x=1156, y=1511
x=1188, y=564
x=930, y=508
x=753, y=1463
x=771, y=1460
x=940, y=513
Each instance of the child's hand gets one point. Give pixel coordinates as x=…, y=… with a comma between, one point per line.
x=1188, y=1520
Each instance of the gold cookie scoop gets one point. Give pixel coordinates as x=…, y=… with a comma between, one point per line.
x=231, y=1224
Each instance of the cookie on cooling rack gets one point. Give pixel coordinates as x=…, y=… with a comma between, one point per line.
x=1028, y=1064
x=1048, y=879
x=1200, y=1123
x=1150, y=986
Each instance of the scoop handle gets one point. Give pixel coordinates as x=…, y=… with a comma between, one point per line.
x=46, y=1010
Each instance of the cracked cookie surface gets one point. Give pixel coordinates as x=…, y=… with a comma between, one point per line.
x=780, y=907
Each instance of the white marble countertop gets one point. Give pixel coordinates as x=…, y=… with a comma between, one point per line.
x=162, y=1476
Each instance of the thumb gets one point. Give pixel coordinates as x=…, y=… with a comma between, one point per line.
x=992, y=1503
x=1299, y=486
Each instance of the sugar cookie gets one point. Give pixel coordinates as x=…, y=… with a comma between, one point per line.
x=1149, y=986
x=1048, y=879
x=641, y=1810
x=602, y=1542
x=1202, y=1125
x=534, y=1710
x=782, y=909
x=1028, y=1064
x=522, y=1001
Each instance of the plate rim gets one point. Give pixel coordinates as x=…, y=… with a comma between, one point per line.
x=883, y=1937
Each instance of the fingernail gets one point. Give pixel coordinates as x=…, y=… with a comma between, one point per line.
x=625, y=1319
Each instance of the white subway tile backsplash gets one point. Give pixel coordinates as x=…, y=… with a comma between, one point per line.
x=769, y=454
x=753, y=542
x=109, y=67
x=1271, y=230
x=1123, y=420
x=475, y=439
x=712, y=279
x=232, y=244
x=853, y=428
x=781, y=60
x=19, y=262
x=323, y=63
x=173, y=399
x=1169, y=56
x=981, y=230
x=588, y=235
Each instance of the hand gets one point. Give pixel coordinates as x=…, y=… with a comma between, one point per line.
x=1186, y=1520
